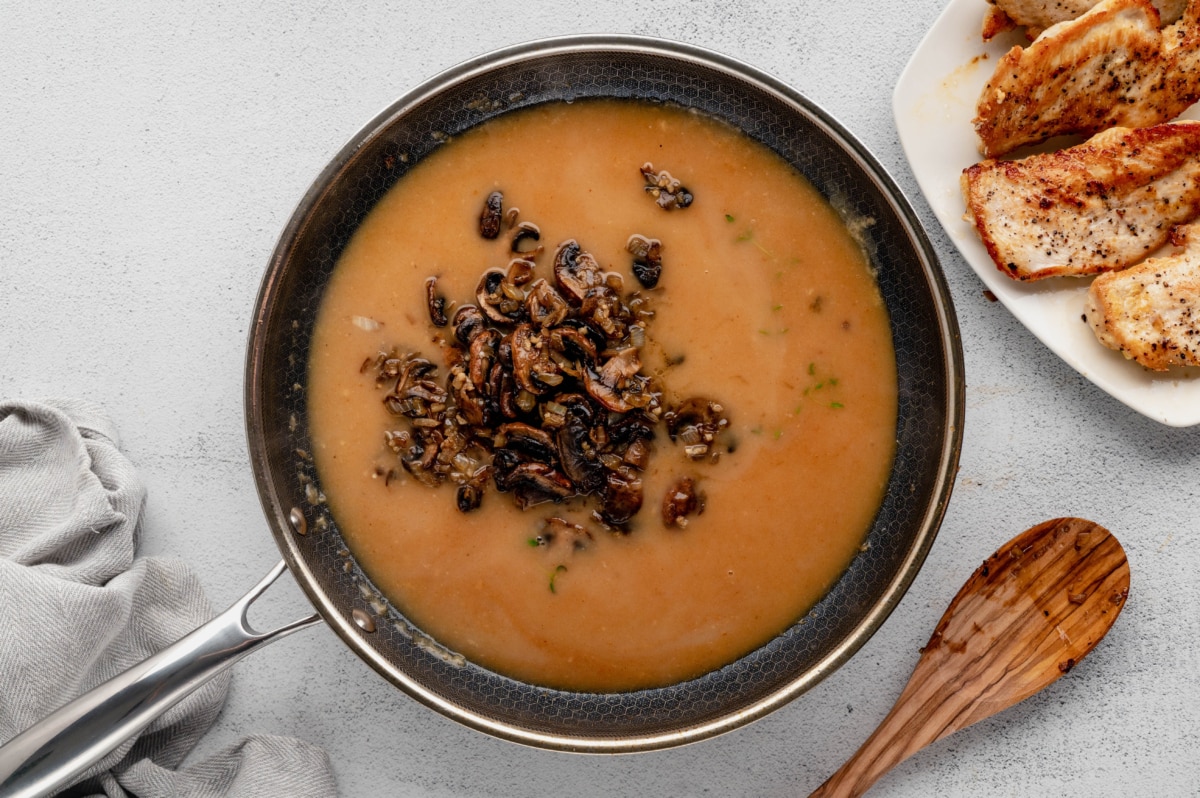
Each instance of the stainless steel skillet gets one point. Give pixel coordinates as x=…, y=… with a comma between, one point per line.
x=929, y=428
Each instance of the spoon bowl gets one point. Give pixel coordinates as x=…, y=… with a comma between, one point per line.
x=1027, y=616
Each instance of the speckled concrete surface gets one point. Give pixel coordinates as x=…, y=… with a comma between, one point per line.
x=150, y=153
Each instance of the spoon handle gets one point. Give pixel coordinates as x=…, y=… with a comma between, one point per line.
x=909, y=727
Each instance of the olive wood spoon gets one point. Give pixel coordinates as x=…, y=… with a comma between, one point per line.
x=1027, y=616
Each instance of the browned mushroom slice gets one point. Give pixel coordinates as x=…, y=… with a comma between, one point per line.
x=668, y=192
x=520, y=271
x=576, y=271
x=681, y=500
x=468, y=322
x=622, y=499
x=604, y=308
x=525, y=239
x=468, y=497
x=530, y=441
x=435, y=302
x=606, y=395
x=647, y=259
x=617, y=370
x=637, y=454
x=482, y=357
x=630, y=428
x=559, y=533
x=421, y=456
x=575, y=345
x=499, y=299
x=579, y=457
x=533, y=369
x=493, y=211
x=545, y=306
x=695, y=423
x=470, y=404
x=536, y=483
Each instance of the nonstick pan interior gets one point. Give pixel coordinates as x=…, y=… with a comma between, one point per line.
x=924, y=333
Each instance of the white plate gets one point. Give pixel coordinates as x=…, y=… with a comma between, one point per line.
x=934, y=103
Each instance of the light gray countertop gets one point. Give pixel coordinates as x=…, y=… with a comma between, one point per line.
x=150, y=154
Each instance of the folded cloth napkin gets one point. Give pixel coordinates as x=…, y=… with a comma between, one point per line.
x=77, y=607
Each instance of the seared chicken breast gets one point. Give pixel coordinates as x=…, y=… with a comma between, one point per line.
x=1099, y=206
x=1037, y=15
x=1151, y=312
x=1110, y=67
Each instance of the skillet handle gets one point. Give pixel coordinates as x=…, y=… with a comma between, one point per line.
x=80, y=733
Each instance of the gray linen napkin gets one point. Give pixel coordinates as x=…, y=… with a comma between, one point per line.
x=77, y=607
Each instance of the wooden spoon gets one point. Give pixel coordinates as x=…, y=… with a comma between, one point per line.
x=1027, y=616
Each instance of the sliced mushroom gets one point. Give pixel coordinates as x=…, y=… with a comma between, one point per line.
x=482, y=357
x=681, y=500
x=536, y=483
x=637, y=454
x=695, y=423
x=609, y=385
x=504, y=465
x=647, y=259
x=558, y=533
x=468, y=497
x=574, y=345
x=545, y=307
x=576, y=271
x=468, y=322
x=605, y=394
x=579, y=458
x=668, y=192
x=489, y=219
x=533, y=369
x=471, y=405
x=631, y=427
x=525, y=239
x=622, y=499
x=530, y=441
x=499, y=299
x=520, y=271
x=618, y=369
x=435, y=302
x=604, y=308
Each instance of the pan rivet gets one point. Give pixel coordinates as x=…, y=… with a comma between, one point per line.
x=363, y=621
x=298, y=521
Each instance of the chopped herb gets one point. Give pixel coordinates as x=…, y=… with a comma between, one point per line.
x=763, y=332
x=756, y=430
x=777, y=307
x=746, y=236
x=778, y=434
x=836, y=405
x=812, y=368
x=729, y=217
x=833, y=380
x=554, y=574
x=535, y=542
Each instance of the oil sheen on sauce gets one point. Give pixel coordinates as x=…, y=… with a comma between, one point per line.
x=771, y=308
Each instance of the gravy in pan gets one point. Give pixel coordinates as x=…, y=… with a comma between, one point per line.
x=765, y=304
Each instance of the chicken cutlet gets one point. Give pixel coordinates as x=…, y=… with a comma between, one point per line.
x=1099, y=206
x=1151, y=312
x=1037, y=15
x=1110, y=67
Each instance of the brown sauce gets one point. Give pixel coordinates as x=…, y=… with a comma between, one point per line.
x=768, y=303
